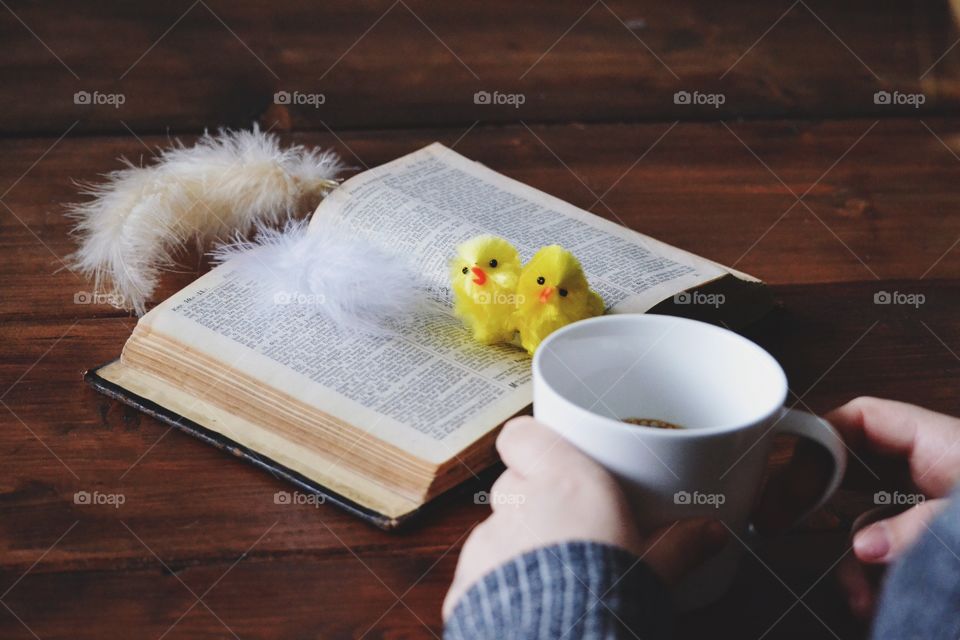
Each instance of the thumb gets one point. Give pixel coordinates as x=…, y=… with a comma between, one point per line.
x=674, y=550
x=885, y=540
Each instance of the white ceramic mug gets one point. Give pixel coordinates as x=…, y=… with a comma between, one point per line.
x=725, y=391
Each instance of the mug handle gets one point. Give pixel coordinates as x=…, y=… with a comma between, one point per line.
x=806, y=425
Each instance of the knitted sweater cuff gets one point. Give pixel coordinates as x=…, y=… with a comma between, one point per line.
x=568, y=590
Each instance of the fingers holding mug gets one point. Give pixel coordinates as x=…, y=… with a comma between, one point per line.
x=887, y=539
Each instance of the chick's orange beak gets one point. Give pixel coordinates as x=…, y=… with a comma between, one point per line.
x=545, y=293
x=480, y=276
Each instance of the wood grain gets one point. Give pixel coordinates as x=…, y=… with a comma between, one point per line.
x=310, y=552
x=880, y=196
x=183, y=65
x=798, y=177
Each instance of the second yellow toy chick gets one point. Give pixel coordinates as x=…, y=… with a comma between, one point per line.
x=484, y=279
x=552, y=292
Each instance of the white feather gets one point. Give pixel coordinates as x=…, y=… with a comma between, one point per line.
x=330, y=270
x=140, y=218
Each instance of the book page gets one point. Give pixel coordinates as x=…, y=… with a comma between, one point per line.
x=426, y=203
x=426, y=388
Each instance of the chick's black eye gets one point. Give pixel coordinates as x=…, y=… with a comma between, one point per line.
x=563, y=293
x=493, y=263
x=540, y=280
x=464, y=271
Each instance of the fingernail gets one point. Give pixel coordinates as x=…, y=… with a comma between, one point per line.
x=872, y=543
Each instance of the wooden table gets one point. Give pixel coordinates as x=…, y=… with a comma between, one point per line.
x=800, y=177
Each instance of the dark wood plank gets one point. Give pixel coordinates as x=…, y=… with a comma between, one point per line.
x=880, y=204
x=266, y=597
x=199, y=510
x=182, y=65
x=103, y=446
x=881, y=218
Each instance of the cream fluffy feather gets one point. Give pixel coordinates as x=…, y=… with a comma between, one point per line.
x=331, y=271
x=140, y=218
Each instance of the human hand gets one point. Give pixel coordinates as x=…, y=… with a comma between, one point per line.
x=925, y=440
x=552, y=493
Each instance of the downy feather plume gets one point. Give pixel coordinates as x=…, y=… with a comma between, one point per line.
x=140, y=218
x=329, y=270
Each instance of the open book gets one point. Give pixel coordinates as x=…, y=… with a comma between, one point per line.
x=382, y=424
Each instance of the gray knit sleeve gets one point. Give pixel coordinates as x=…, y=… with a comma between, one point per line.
x=921, y=594
x=569, y=590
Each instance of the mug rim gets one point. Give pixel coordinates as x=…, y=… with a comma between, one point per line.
x=645, y=318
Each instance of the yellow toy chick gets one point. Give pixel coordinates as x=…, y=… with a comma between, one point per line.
x=484, y=278
x=552, y=292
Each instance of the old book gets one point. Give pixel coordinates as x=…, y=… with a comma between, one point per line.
x=383, y=424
